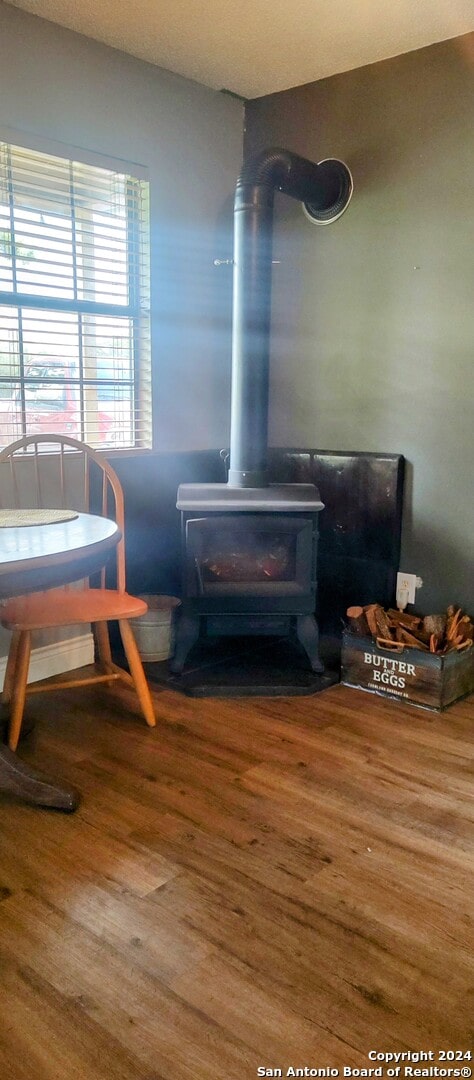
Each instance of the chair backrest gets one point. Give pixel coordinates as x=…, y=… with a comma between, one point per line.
x=59, y=472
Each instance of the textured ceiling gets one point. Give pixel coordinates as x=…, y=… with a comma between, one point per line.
x=256, y=47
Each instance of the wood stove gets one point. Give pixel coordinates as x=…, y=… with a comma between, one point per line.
x=249, y=547
x=249, y=559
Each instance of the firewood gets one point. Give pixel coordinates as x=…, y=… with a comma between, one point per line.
x=434, y=642
x=403, y=618
x=432, y=633
x=369, y=612
x=383, y=625
x=419, y=633
x=466, y=627
x=389, y=643
x=435, y=625
x=378, y=622
x=357, y=621
x=410, y=639
x=452, y=621
x=458, y=626
x=456, y=643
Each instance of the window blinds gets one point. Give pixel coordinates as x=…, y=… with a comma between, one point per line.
x=74, y=301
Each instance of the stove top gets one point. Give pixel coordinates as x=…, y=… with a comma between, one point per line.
x=276, y=498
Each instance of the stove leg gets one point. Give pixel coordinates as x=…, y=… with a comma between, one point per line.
x=187, y=633
x=307, y=634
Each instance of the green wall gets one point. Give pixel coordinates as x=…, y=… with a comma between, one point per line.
x=373, y=317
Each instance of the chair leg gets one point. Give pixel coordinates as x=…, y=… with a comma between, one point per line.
x=101, y=633
x=137, y=672
x=18, y=695
x=8, y=681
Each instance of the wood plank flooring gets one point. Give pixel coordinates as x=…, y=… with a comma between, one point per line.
x=256, y=883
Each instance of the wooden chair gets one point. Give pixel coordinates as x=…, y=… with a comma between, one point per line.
x=77, y=478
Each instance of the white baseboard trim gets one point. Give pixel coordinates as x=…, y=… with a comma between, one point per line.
x=60, y=656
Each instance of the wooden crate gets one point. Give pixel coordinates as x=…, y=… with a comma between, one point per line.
x=408, y=675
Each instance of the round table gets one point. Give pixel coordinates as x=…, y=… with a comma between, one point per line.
x=33, y=558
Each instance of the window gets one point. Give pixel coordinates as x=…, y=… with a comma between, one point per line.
x=74, y=301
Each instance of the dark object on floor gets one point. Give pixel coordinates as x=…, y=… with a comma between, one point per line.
x=244, y=667
x=20, y=780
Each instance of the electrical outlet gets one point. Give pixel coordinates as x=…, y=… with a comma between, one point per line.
x=407, y=584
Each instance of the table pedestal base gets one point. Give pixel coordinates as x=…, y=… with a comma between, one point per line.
x=17, y=778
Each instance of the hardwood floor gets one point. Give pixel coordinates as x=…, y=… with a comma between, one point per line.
x=256, y=883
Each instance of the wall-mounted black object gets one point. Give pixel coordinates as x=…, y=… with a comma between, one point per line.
x=359, y=529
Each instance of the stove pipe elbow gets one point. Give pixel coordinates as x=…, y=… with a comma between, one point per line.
x=325, y=189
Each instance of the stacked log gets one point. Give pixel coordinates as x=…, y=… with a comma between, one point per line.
x=431, y=633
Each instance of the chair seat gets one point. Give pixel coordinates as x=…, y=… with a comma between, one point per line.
x=63, y=607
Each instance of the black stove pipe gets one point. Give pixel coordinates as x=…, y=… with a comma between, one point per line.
x=325, y=191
